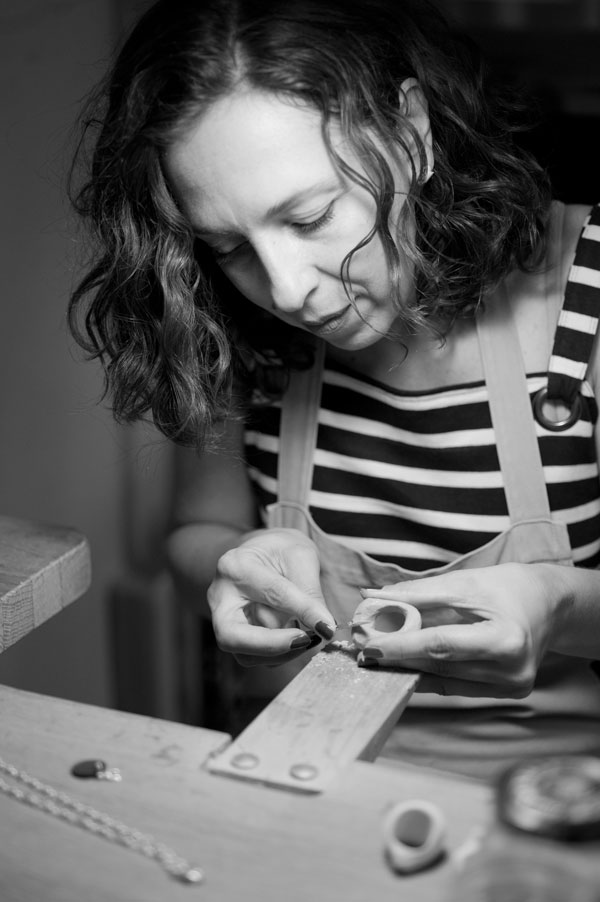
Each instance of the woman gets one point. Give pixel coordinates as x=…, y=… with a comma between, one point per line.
x=320, y=241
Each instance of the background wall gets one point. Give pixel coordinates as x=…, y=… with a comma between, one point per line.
x=61, y=457
x=551, y=48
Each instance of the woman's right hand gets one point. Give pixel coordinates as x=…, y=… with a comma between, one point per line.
x=266, y=601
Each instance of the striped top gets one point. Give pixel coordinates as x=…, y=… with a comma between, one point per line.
x=578, y=318
x=413, y=478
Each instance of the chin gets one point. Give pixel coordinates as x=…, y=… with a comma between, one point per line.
x=358, y=341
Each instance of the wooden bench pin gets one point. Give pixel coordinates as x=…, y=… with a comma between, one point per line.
x=330, y=714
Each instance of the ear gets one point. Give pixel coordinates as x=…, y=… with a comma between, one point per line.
x=413, y=105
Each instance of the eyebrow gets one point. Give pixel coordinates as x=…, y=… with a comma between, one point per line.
x=283, y=206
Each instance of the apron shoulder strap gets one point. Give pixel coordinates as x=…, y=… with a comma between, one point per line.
x=578, y=318
x=510, y=409
x=298, y=432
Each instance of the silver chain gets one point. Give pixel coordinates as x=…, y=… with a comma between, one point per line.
x=58, y=804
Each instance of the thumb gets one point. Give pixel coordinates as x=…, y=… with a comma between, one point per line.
x=304, y=571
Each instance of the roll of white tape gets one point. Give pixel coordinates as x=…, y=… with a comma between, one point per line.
x=376, y=617
x=414, y=835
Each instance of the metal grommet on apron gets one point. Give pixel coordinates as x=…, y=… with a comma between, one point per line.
x=575, y=333
x=540, y=399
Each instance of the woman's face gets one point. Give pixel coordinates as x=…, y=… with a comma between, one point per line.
x=255, y=180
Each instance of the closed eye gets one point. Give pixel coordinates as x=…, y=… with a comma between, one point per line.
x=223, y=258
x=306, y=228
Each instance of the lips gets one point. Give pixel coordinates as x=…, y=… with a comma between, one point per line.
x=328, y=323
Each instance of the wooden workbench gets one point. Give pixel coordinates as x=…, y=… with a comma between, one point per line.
x=253, y=842
x=43, y=568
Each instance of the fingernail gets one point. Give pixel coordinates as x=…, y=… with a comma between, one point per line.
x=324, y=630
x=362, y=661
x=300, y=642
x=363, y=592
x=372, y=652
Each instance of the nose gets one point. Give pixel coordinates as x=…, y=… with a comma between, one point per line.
x=291, y=275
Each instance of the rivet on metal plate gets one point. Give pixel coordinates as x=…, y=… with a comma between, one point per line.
x=244, y=761
x=304, y=771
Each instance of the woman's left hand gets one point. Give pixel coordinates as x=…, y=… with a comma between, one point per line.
x=484, y=632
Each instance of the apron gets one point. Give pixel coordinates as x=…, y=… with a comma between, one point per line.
x=477, y=737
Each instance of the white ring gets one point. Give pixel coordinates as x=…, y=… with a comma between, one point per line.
x=363, y=629
x=414, y=835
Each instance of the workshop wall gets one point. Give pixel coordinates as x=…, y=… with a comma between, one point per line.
x=551, y=49
x=60, y=454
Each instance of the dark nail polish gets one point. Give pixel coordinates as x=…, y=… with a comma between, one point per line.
x=301, y=642
x=324, y=630
x=367, y=662
x=372, y=652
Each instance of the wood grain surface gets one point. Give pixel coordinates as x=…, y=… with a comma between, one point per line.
x=253, y=842
x=333, y=712
x=43, y=568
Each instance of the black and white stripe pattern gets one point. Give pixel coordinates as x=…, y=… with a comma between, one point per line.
x=578, y=320
x=414, y=478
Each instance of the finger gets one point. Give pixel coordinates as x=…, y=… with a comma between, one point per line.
x=453, y=589
x=446, y=670
x=455, y=642
x=258, y=581
x=261, y=615
x=233, y=633
x=310, y=608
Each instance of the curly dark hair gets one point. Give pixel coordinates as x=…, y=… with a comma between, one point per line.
x=172, y=333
